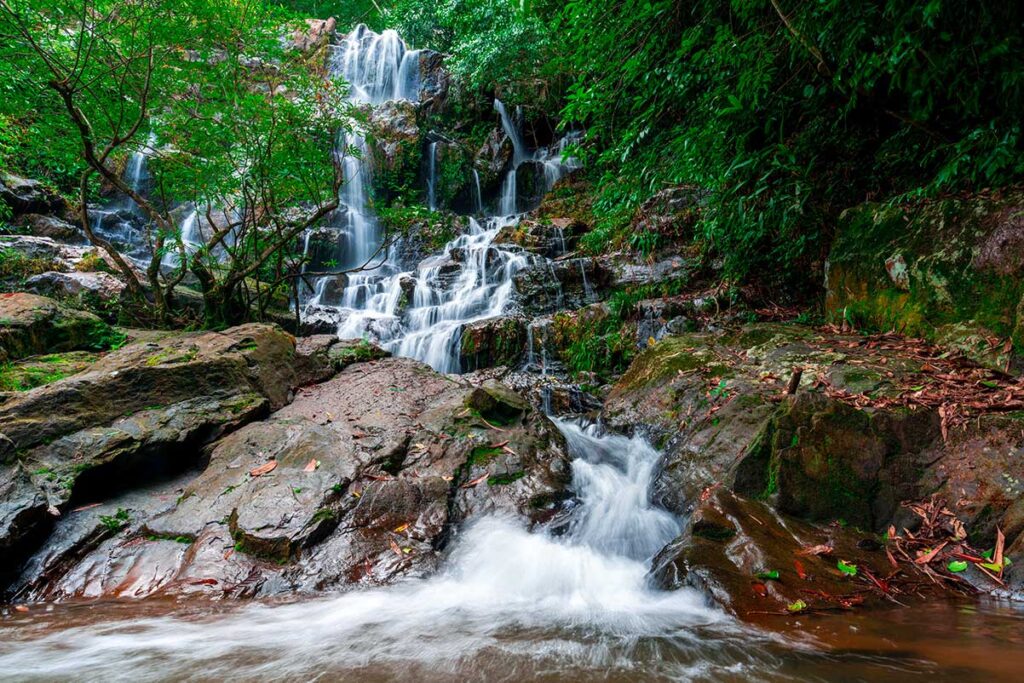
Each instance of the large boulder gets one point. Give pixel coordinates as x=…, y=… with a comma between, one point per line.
x=32, y=325
x=949, y=270
x=362, y=479
x=872, y=422
x=136, y=414
x=24, y=195
x=97, y=289
x=53, y=227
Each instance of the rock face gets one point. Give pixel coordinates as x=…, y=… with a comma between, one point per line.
x=946, y=269
x=28, y=196
x=134, y=415
x=31, y=325
x=748, y=558
x=850, y=445
x=497, y=341
x=361, y=479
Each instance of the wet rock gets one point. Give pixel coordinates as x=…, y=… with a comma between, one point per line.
x=715, y=402
x=730, y=540
x=491, y=160
x=435, y=82
x=360, y=480
x=496, y=341
x=144, y=411
x=550, y=238
x=32, y=324
x=549, y=286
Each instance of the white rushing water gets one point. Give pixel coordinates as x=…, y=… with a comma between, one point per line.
x=578, y=599
x=420, y=313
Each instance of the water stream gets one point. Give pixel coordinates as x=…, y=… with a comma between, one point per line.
x=511, y=603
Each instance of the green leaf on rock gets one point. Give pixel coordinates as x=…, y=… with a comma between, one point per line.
x=798, y=606
x=846, y=568
x=957, y=566
x=772, y=575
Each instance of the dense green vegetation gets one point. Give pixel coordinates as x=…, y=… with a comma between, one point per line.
x=245, y=129
x=782, y=113
x=787, y=112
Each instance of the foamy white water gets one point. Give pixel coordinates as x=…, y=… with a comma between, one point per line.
x=579, y=598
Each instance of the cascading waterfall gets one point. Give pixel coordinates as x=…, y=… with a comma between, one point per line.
x=579, y=600
x=418, y=313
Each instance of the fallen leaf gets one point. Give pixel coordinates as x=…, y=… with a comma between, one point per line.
x=760, y=589
x=800, y=571
x=400, y=529
x=1000, y=541
x=798, y=606
x=20, y=608
x=930, y=555
x=772, y=575
x=311, y=465
x=473, y=482
x=266, y=467
x=203, y=582
x=394, y=547
x=957, y=566
x=847, y=568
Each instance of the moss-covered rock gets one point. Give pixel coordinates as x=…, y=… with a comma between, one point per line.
x=32, y=325
x=37, y=371
x=949, y=270
x=492, y=342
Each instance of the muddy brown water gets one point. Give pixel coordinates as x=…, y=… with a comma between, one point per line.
x=144, y=640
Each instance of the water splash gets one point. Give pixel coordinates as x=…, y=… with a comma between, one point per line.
x=580, y=599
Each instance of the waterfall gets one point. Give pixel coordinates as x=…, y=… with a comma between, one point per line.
x=432, y=178
x=479, y=194
x=419, y=313
x=579, y=599
x=588, y=291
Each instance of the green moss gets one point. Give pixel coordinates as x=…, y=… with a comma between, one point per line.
x=505, y=479
x=481, y=455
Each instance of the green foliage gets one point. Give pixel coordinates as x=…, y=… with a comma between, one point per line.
x=790, y=112
x=16, y=266
x=491, y=43
x=117, y=521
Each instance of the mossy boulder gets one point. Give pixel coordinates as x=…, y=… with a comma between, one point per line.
x=948, y=270
x=845, y=446
x=32, y=325
x=492, y=342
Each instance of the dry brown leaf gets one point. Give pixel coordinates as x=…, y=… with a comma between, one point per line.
x=473, y=482
x=394, y=547
x=266, y=467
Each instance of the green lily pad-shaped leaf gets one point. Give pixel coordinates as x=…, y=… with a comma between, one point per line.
x=772, y=575
x=957, y=566
x=798, y=606
x=847, y=568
